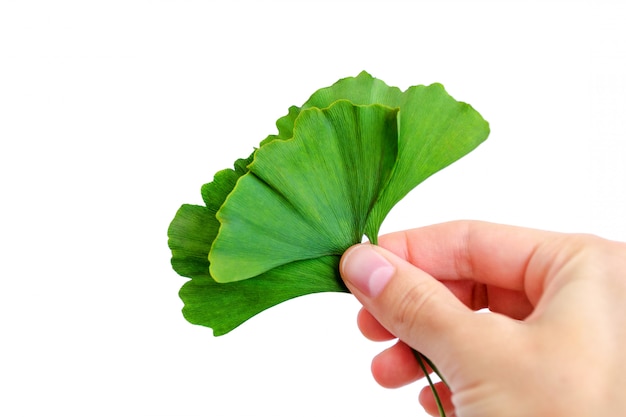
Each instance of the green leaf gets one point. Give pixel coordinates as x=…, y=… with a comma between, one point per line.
x=191, y=234
x=360, y=90
x=194, y=228
x=435, y=131
x=223, y=307
x=309, y=196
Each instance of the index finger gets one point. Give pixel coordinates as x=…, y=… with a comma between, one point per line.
x=495, y=255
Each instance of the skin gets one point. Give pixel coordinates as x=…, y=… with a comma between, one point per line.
x=552, y=342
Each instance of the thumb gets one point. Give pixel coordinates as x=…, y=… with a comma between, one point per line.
x=408, y=302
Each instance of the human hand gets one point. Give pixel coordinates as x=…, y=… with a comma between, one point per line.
x=553, y=344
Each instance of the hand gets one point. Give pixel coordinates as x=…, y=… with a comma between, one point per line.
x=553, y=343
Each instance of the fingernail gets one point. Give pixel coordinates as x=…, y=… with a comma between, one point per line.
x=366, y=269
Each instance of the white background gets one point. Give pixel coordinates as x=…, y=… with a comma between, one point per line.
x=112, y=114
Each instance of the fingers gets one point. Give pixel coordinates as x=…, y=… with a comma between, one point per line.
x=406, y=301
x=485, y=253
x=371, y=328
x=427, y=400
x=423, y=285
x=513, y=304
x=482, y=264
x=396, y=366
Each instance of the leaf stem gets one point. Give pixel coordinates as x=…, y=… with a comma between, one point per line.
x=422, y=361
x=434, y=368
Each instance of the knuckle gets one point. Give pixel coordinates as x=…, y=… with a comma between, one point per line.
x=412, y=312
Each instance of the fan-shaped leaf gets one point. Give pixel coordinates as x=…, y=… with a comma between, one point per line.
x=223, y=307
x=309, y=196
x=435, y=131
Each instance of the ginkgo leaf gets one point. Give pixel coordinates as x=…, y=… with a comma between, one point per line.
x=309, y=196
x=435, y=131
x=223, y=307
x=277, y=224
x=360, y=90
x=218, y=305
